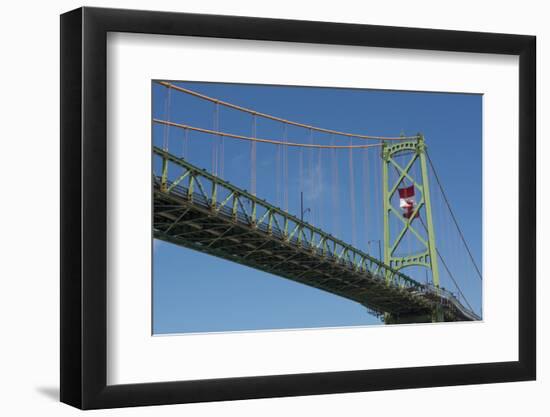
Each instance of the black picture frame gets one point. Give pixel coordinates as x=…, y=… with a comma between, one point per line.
x=84, y=207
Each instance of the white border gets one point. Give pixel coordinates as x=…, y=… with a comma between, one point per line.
x=135, y=356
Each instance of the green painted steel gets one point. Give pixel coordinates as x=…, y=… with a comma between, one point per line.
x=427, y=256
x=273, y=217
x=201, y=211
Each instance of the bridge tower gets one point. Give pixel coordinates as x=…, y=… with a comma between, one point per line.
x=393, y=154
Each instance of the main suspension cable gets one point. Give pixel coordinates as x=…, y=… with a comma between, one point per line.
x=454, y=280
x=454, y=217
x=448, y=270
x=271, y=141
x=279, y=119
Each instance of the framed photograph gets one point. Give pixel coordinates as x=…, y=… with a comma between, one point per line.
x=258, y=208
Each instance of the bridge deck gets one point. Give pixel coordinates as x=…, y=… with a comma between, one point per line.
x=226, y=229
x=203, y=212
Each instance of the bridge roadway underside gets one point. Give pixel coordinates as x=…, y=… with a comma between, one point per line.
x=193, y=224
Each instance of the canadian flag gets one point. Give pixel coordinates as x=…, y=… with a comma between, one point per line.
x=406, y=201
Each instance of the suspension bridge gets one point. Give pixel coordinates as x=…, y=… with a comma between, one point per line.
x=196, y=207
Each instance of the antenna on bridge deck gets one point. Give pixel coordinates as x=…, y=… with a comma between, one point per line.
x=302, y=211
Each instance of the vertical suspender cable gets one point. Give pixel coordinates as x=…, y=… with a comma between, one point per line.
x=167, y=107
x=301, y=170
x=377, y=197
x=285, y=169
x=215, y=143
x=446, y=267
x=166, y=140
x=335, y=191
x=185, y=150
x=365, y=191
x=319, y=185
x=221, y=142
x=278, y=175
x=253, y=158
x=352, y=195
x=312, y=208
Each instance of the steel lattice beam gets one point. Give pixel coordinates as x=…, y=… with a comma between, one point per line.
x=190, y=213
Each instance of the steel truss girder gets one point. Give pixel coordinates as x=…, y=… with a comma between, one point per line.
x=269, y=239
x=276, y=220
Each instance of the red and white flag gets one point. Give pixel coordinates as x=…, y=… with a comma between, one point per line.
x=406, y=201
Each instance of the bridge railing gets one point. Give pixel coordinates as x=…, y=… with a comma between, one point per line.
x=218, y=195
x=445, y=295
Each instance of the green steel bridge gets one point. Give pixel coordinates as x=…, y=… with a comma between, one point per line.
x=200, y=210
x=203, y=212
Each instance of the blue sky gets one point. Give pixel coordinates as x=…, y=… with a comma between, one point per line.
x=194, y=292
